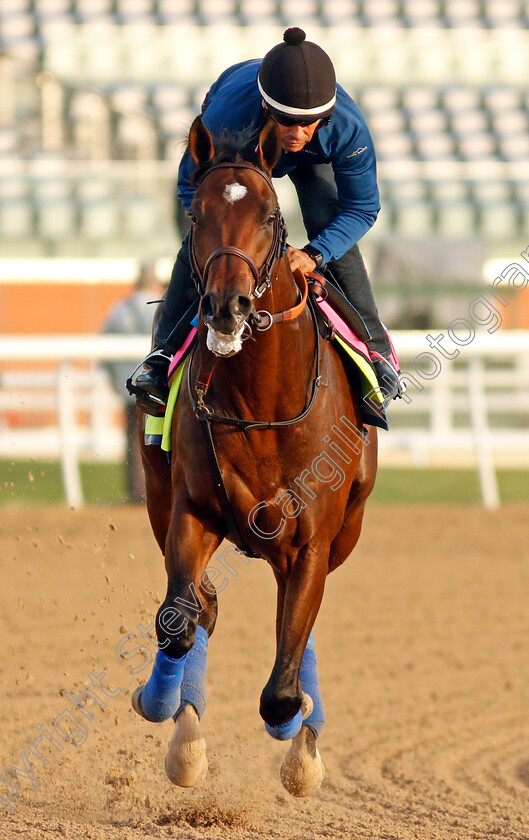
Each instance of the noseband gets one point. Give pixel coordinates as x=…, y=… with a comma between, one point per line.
x=262, y=277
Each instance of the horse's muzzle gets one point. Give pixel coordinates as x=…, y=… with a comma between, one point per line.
x=225, y=315
x=225, y=312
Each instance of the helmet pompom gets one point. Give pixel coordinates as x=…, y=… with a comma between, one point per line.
x=293, y=36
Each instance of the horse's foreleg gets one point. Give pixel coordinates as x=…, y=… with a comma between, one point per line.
x=184, y=623
x=186, y=761
x=308, y=673
x=302, y=771
x=294, y=678
x=282, y=696
x=280, y=603
x=188, y=602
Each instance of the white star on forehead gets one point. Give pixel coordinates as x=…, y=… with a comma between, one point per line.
x=233, y=192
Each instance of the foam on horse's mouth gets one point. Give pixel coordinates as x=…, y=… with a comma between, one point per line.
x=222, y=344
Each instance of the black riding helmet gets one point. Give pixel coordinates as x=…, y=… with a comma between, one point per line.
x=297, y=80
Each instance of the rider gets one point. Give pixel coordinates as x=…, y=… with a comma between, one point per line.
x=328, y=154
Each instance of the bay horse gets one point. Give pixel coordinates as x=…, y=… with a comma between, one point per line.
x=262, y=396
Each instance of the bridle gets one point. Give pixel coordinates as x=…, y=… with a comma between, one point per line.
x=262, y=277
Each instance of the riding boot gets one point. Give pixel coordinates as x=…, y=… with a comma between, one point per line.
x=151, y=386
x=350, y=275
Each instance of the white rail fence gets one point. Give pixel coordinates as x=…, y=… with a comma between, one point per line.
x=476, y=407
x=77, y=404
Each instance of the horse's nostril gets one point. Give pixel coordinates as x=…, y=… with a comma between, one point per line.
x=207, y=306
x=241, y=305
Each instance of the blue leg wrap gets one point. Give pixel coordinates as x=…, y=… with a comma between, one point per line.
x=193, y=688
x=308, y=674
x=287, y=730
x=161, y=696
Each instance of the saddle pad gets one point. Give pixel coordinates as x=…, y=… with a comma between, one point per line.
x=345, y=332
x=356, y=356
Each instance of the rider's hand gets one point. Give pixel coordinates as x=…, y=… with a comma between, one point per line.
x=300, y=259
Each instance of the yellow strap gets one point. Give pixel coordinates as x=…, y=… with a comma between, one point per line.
x=171, y=402
x=365, y=368
x=153, y=425
x=162, y=425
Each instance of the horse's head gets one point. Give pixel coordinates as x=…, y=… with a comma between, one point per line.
x=237, y=232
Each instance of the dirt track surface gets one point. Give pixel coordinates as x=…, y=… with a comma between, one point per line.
x=423, y=646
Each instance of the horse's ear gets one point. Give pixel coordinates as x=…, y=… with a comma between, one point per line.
x=200, y=142
x=269, y=146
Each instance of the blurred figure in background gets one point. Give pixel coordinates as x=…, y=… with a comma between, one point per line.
x=133, y=316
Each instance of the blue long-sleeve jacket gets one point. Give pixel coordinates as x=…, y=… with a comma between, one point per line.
x=233, y=103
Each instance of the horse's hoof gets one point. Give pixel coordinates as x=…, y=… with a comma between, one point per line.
x=186, y=762
x=302, y=771
x=136, y=702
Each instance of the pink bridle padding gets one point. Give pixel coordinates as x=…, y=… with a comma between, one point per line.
x=345, y=332
x=179, y=354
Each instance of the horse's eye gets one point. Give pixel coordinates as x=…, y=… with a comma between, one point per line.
x=193, y=219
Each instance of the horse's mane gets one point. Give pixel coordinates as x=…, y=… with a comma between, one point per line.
x=230, y=148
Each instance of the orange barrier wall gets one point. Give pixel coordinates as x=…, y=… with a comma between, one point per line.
x=34, y=308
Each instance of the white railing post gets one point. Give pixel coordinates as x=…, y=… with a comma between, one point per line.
x=69, y=454
x=481, y=434
x=442, y=415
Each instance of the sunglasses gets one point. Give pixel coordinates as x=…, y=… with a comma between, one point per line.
x=289, y=121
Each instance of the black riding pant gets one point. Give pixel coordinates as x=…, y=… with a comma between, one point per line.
x=318, y=200
x=179, y=295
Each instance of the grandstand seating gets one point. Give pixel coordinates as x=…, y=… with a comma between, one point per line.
x=126, y=115
x=394, y=13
